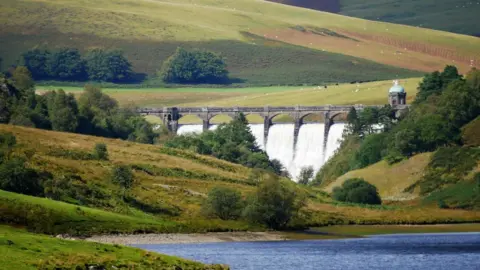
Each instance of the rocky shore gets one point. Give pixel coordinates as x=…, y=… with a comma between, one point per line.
x=139, y=239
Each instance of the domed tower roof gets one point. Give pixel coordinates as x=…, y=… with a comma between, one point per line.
x=396, y=88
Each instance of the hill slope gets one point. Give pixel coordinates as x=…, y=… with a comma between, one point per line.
x=447, y=15
x=149, y=31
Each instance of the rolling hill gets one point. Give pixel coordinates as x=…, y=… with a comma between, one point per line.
x=264, y=43
x=447, y=15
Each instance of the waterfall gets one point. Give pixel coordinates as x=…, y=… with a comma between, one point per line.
x=280, y=145
x=257, y=131
x=309, y=150
x=187, y=129
x=333, y=140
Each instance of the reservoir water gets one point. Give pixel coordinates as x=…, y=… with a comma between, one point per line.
x=408, y=251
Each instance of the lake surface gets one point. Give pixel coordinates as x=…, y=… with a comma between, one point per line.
x=403, y=251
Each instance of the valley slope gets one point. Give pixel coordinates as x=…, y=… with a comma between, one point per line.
x=257, y=38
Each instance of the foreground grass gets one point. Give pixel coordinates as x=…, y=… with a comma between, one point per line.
x=397, y=229
x=23, y=250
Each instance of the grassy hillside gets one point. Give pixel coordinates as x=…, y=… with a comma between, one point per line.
x=170, y=184
x=447, y=15
x=170, y=187
x=23, y=250
x=252, y=35
x=391, y=180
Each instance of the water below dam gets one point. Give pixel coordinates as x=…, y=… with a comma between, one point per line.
x=280, y=143
x=405, y=251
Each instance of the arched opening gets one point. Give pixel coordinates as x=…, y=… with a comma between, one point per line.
x=282, y=118
x=220, y=119
x=154, y=119
x=340, y=117
x=190, y=119
x=254, y=119
x=313, y=118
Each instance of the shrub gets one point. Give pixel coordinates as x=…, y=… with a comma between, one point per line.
x=357, y=190
x=16, y=177
x=122, y=175
x=7, y=140
x=306, y=174
x=274, y=204
x=224, y=203
x=100, y=151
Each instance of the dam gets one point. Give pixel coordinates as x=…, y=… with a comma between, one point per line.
x=296, y=145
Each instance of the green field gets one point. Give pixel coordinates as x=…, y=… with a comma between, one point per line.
x=24, y=250
x=342, y=94
x=263, y=43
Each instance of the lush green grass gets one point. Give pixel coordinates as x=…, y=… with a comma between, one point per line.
x=53, y=217
x=23, y=250
x=371, y=93
x=149, y=31
x=446, y=15
x=395, y=229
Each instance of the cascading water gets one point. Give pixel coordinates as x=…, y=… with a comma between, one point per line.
x=309, y=150
x=188, y=129
x=333, y=140
x=257, y=131
x=280, y=145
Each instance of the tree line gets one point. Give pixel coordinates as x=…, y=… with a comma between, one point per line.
x=68, y=64
x=94, y=113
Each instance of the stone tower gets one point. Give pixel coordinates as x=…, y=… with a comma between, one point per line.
x=397, y=95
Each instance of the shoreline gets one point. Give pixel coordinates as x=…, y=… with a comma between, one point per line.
x=180, y=238
x=319, y=233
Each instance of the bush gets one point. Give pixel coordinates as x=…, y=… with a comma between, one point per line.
x=357, y=190
x=194, y=67
x=100, y=151
x=306, y=174
x=7, y=140
x=224, y=203
x=16, y=177
x=122, y=175
x=274, y=204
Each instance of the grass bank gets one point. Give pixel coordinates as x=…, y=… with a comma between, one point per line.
x=362, y=230
x=23, y=250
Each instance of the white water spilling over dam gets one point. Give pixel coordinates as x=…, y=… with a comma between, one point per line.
x=333, y=141
x=309, y=150
x=280, y=145
x=189, y=129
